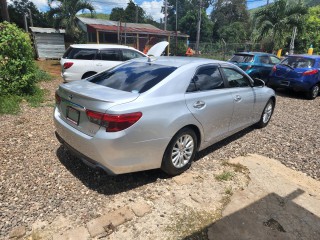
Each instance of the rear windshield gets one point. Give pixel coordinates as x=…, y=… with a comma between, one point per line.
x=298, y=62
x=242, y=58
x=80, y=53
x=133, y=77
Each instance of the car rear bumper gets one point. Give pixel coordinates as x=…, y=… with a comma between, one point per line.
x=112, y=152
x=299, y=86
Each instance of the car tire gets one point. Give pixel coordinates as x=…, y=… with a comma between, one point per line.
x=88, y=74
x=180, y=152
x=266, y=114
x=313, y=92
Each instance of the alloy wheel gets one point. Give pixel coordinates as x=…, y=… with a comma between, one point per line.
x=267, y=112
x=182, y=151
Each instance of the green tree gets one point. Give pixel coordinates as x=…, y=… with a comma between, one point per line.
x=64, y=15
x=311, y=34
x=133, y=13
x=118, y=14
x=188, y=24
x=236, y=32
x=227, y=14
x=17, y=69
x=17, y=10
x=277, y=20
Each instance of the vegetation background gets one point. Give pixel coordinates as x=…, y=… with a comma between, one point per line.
x=229, y=28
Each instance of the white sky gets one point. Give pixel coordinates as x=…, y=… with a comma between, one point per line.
x=151, y=7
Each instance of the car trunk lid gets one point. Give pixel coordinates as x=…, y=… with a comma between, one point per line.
x=78, y=97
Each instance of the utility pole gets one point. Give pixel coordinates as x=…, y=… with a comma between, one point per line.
x=25, y=22
x=30, y=16
x=4, y=10
x=176, y=26
x=198, y=28
x=137, y=12
x=294, y=34
x=165, y=14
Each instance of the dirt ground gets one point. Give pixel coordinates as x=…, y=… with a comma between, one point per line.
x=45, y=192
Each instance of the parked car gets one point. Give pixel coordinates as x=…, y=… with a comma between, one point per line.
x=256, y=64
x=147, y=114
x=84, y=60
x=299, y=73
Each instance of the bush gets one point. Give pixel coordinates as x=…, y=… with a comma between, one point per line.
x=17, y=68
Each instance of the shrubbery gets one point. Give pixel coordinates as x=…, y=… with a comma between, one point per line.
x=17, y=68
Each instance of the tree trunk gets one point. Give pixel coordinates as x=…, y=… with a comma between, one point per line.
x=4, y=10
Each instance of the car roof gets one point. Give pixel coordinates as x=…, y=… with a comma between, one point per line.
x=100, y=46
x=180, y=61
x=305, y=55
x=255, y=53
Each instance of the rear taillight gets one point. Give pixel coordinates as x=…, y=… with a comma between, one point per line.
x=310, y=72
x=58, y=99
x=67, y=65
x=113, y=123
x=274, y=68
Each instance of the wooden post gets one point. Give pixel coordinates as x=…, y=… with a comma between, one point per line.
x=168, y=48
x=138, y=41
x=97, y=36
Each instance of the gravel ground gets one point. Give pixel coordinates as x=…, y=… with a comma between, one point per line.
x=39, y=179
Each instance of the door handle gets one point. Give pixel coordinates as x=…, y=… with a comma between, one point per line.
x=237, y=98
x=99, y=64
x=199, y=104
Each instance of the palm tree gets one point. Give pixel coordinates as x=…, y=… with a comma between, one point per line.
x=278, y=19
x=64, y=15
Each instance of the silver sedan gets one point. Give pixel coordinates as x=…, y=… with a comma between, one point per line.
x=157, y=113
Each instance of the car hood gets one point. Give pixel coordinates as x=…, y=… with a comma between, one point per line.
x=157, y=49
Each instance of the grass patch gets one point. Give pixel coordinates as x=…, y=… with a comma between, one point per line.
x=229, y=191
x=192, y=224
x=41, y=75
x=10, y=104
x=225, y=176
x=36, y=98
x=237, y=167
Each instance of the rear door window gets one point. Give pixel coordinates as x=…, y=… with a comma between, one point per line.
x=109, y=55
x=133, y=77
x=274, y=60
x=80, y=53
x=128, y=54
x=206, y=78
x=242, y=58
x=236, y=79
x=264, y=59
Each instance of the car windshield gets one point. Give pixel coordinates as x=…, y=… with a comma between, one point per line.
x=298, y=62
x=133, y=77
x=242, y=58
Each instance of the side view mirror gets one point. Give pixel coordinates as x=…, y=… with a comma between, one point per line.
x=259, y=82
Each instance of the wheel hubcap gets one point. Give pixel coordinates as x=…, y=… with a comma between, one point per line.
x=267, y=113
x=315, y=91
x=182, y=151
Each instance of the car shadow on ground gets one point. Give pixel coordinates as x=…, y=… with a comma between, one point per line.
x=291, y=94
x=99, y=181
x=271, y=217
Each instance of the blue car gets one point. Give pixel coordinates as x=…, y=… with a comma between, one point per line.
x=299, y=73
x=255, y=64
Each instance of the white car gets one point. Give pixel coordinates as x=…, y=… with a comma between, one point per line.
x=84, y=60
